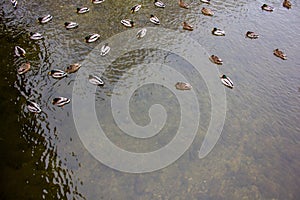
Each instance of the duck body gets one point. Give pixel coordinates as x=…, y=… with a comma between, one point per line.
x=97, y=1
x=287, y=4
x=215, y=59
x=154, y=20
x=93, y=79
x=72, y=68
x=141, y=33
x=279, y=54
x=252, y=35
x=187, y=26
x=183, y=86
x=135, y=8
x=205, y=1
x=92, y=38
x=267, y=8
x=105, y=49
x=83, y=10
x=218, y=32
x=14, y=3
x=60, y=101
x=127, y=23
x=226, y=81
x=25, y=67
x=71, y=25
x=36, y=36
x=20, y=52
x=57, y=73
x=182, y=4
x=45, y=19
x=207, y=11
x=33, y=107
x=159, y=4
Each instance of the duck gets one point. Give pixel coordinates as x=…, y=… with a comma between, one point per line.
x=92, y=37
x=83, y=10
x=93, y=79
x=20, y=52
x=159, y=4
x=60, y=101
x=14, y=3
x=226, y=81
x=57, y=73
x=218, y=32
x=71, y=25
x=97, y=1
x=215, y=59
x=207, y=11
x=127, y=23
x=279, y=54
x=135, y=8
x=72, y=68
x=267, y=8
x=154, y=20
x=36, y=36
x=182, y=4
x=25, y=67
x=287, y=4
x=187, y=26
x=252, y=35
x=205, y=1
x=141, y=33
x=45, y=19
x=105, y=49
x=183, y=86
x=33, y=107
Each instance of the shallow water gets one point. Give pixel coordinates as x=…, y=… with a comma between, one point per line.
x=257, y=156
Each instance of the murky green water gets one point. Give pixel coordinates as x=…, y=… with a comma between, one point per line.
x=257, y=156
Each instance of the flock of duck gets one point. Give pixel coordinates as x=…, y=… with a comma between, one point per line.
x=93, y=79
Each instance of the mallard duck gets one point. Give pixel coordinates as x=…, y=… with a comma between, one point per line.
x=36, y=36
x=128, y=23
x=93, y=79
x=205, y=1
x=33, y=107
x=183, y=86
x=159, y=4
x=187, y=26
x=92, y=37
x=252, y=35
x=135, y=8
x=72, y=68
x=45, y=19
x=154, y=20
x=226, y=81
x=207, y=11
x=60, y=101
x=19, y=51
x=182, y=4
x=215, y=59
x=141, y=33
x=14, y=3
x=218, y=32
x=25, y=67
x=97, y=1
x=83, y=10
x=71, y=25
x=105, y=49
x=279, y=54
x=267, y=8
x=57, y=73
x=287, y=4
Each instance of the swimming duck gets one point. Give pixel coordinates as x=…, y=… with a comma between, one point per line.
x=215, y=59
x=141, y=33
x=287, y=4
x=154, y=20
x=252, y=35
x=97, y=1
x=105, y=49
x=183, y=86
x=182, y=4
x=267, y=8
x=226, y=81
x=14, y=3
x=93, y=79
x=207, y=11
x=57, y=73
x=60, y=101
x=72, y=68
x=159, y=4
x=218, y=32
x=279, y=54
x=36, y=36
x=83, y=10
x=25, y=67
x=187, y=26
x=135, y=8
x=19, y=51
x=33, y=107
x=71, y=25
x=45, y=19
x=205, y=1
x=92, y=37
x=127, y=23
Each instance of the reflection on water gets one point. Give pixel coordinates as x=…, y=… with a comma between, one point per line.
x=256, y=157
